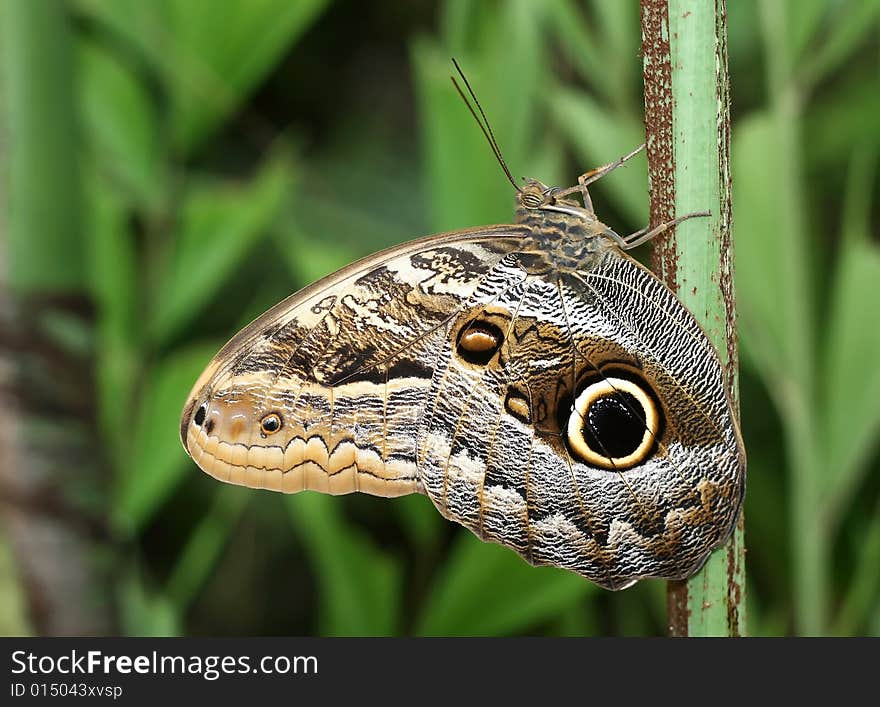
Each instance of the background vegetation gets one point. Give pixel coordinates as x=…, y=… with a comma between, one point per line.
x=214, y=157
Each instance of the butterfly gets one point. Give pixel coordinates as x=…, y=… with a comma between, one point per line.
x=539, y=385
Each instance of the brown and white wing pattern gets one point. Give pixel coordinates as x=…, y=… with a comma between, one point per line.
x=324, y=391
x=587, y=427
x=541, y=387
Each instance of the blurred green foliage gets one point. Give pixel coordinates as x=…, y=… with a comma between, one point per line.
x=232, y=152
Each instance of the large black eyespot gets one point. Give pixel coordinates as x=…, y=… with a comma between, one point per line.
x=478, y=340
x=614, y=423
x=613, y=426
x=199, y=417
x=271, y=423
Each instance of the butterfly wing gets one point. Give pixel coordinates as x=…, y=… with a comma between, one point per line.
x=324, y=390
x=577, y=415
x=597, y=434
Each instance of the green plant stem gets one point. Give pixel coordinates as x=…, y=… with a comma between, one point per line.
x=688, y=124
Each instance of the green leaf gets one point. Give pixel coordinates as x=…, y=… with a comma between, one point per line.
x=145, y=612
x=220, y=51
x=465, y=185
x=210, y=55
x=204, y=546
x=855, y=216
x=219, y=225
x=520, y=24
x=305, y=256
x=113, y=277
x=485, y=590
x=618, y=24
x=120, y=122
x=465, y=190
x=602, y=42
x=43, y=242
x=851, y=378
x=157, y=461
x=805, y=21
x=846, y=32
x=139, y=26
x=458, y=19
x=842, y=119
x=743, y=42
x=583, y=44
x=865, y=582
x=766, y=286
x=359, y=585
x=599, y=136
x=419, y=519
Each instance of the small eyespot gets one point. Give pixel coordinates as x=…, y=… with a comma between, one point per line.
x=271, y=423
x=478, y=341
x=199, y=417
x=518, y=406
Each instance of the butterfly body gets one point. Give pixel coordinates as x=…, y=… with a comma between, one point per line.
x=540, y=386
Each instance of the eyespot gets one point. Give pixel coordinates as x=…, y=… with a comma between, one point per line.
x=271, y=423
x=478, y=340
x=614, y=423
x=199, y=417
x=518, y=406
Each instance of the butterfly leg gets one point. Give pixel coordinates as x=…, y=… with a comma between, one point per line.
x=594, y=174
x=599, y=172
x=585, y=194
x=646, y=234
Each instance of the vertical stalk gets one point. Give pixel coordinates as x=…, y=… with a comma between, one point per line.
x=52, y=491
x=687, y=114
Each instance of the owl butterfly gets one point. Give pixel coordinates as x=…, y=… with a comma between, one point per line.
x=540, y=386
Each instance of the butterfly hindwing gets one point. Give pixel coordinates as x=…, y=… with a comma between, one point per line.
x=495, y=452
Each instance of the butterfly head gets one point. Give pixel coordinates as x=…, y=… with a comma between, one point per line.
x=536, y=195
x=566, y=227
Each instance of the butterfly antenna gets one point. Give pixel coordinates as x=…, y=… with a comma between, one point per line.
x=484, y=123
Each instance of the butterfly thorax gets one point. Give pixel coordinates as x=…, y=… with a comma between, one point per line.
x=572, y=240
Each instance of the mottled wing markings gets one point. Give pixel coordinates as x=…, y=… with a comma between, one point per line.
x=727, y=452
x=625, y=323
x=508, y=347
x=561, y=527
x=588, y=515
x=378, y=396
x=726, y=455
x=478, y=304
x=626, y=318
x=347, y=362
x=637, y=413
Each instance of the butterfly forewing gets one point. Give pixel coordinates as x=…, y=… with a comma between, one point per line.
x=344, y=366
